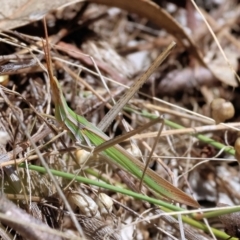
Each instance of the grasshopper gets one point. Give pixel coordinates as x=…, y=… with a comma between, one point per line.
x=82, y=130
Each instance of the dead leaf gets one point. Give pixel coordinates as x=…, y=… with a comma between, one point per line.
x=18, y=13
x=220, y=68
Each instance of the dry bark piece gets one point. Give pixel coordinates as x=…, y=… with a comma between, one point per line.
x=231, y=222
x=18, y=217
x=18, y=13
x=13, y=67
x=97, y=229
x=186, y=79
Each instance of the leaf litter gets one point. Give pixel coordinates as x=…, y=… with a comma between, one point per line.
x=112, y=39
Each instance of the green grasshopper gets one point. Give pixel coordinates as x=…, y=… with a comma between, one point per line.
x=82, y=130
